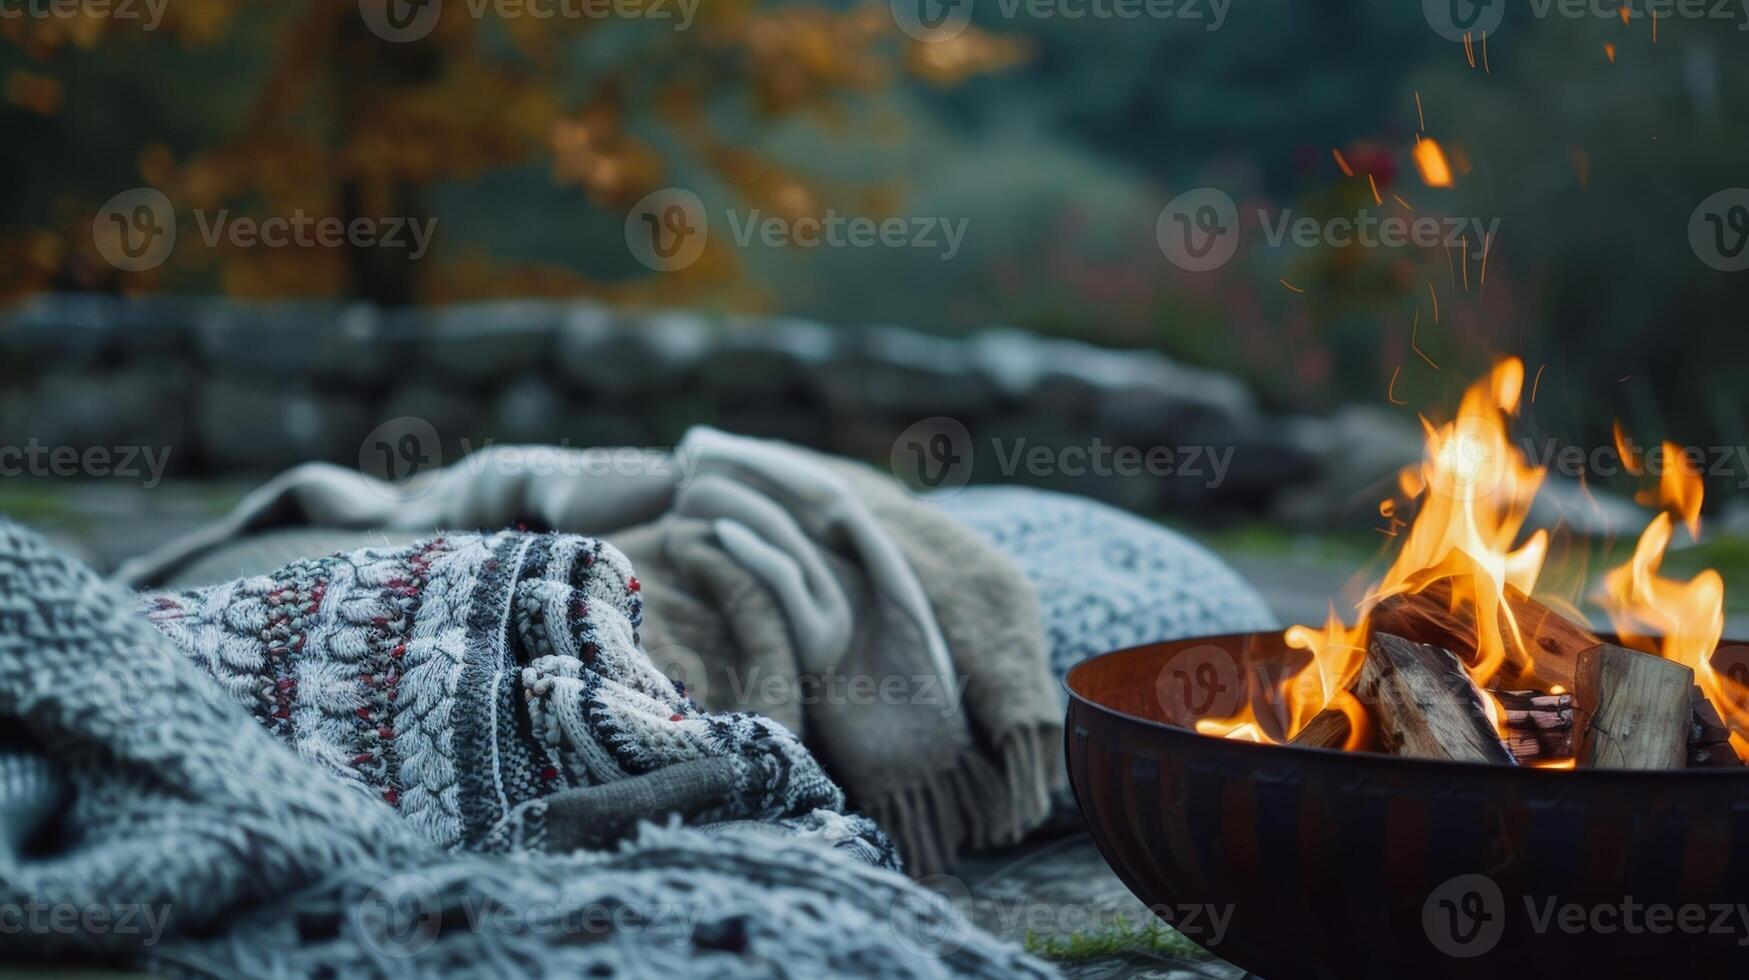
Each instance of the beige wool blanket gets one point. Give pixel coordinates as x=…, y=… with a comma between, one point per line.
x=906, y=651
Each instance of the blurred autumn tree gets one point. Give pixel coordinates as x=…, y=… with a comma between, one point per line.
x=268, y=109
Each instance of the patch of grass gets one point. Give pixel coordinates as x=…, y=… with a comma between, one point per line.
x=1155, y=938
x=219, y=497
x=1729, y=555
x=35, y=501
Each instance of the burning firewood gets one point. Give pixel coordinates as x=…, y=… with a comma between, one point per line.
x=1414, y=658
x=1631, y=710
x=1425, y=705
x=1709, y=741
x=1328, y=729
x=1539, y=726
x=1427, y=616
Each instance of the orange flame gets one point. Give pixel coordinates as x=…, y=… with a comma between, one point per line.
x=1682, y=621
x=1679, y=489
x=1247, y=730
x=1337, y=653
x=1629, y=457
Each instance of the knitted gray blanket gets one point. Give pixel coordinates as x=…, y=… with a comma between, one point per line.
x=387, y=764
x=905, y=650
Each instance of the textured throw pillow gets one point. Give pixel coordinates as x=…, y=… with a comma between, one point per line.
x=1107, y=579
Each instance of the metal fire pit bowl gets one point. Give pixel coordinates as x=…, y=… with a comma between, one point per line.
x=1356, y=865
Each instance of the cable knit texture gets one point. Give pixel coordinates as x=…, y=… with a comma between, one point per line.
x=351, y=767
x=463, y=677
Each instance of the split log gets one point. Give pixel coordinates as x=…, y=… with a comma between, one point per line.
x=1328, y=729
x=1709, y=739
x=1539, y=726
x=1427, y=617
x=1424, y=705
x=1631, y=710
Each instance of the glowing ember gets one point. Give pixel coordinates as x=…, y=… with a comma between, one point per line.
x=1470, y=497
x=1435, y=172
